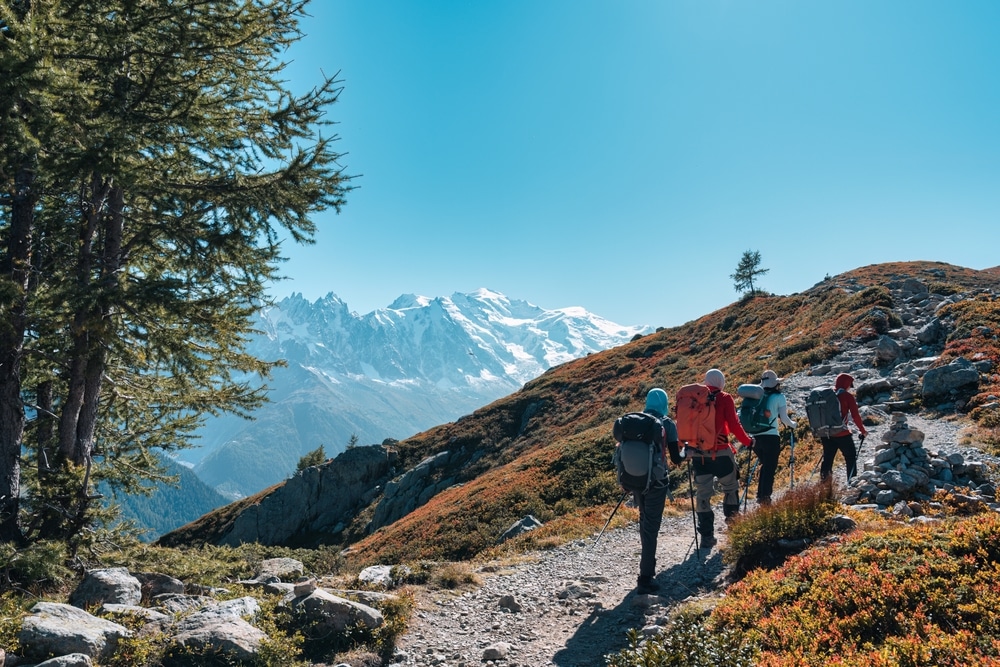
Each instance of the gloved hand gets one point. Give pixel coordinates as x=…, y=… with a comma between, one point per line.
x=794, y=424
x=675, y=455
x=753, y=443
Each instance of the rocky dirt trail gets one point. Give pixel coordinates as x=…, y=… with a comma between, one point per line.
x=568, y=606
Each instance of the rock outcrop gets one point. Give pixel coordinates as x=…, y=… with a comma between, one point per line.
x=903, y=470
x=193, y=623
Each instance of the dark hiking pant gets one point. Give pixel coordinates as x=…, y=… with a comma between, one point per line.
x=845, y=445
x=767, y=449
x=650, y=506
x=707, y=468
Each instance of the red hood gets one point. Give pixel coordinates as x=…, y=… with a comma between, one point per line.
x=843, y=381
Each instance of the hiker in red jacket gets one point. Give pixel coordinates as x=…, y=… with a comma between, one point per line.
x=719, y=462
x=842, y=441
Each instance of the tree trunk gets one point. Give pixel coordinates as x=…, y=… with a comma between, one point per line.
x=86, y=326
x=14, y=264
x=111, y=264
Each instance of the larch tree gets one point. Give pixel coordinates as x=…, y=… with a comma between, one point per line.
x=168, y=162
x=747, y=270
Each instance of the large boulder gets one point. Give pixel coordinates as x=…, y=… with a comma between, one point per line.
x=318, y=499
x=940, y=382
x=113, y=585
x=220, y=629
x=53, y=628
x=321, y=609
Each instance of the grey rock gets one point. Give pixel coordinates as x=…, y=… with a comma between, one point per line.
x=113, y=584
x=71, y=660
x=321, y=497
x=154, y=583
x=227, y=635
x=377, y=575
x=53, y=628
x=941, y=381
x=285, y=569
x=519, y=527
x=326, y=610
x=497, y=651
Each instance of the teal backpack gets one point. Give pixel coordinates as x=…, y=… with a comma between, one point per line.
x=755, y=417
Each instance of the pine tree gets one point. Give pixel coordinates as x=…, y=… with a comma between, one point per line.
x=167, y=161
x=313, y=458
x=746, y=271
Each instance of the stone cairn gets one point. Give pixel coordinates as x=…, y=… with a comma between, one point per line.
x=903, y=474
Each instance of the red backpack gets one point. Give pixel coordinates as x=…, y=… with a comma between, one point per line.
x=696, y=417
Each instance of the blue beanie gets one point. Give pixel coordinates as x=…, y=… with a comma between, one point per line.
x=656, y=401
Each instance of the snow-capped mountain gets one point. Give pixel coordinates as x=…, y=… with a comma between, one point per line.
x=388, y=374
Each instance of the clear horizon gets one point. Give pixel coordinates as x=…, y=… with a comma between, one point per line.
x=621, y=157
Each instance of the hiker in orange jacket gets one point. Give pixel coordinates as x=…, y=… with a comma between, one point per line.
x=843, y=441
x=719, y=462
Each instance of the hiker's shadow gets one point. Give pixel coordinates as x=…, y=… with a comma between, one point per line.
x=605, y=630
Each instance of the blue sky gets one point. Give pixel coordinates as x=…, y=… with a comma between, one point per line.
x=622, y=155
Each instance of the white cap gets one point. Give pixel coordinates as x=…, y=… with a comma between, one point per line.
x=770, y=379
x=715, y=378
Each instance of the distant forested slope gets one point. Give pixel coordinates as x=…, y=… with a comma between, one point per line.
x=169, y=506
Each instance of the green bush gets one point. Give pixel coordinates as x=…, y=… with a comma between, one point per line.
x=801, y=513
x=39, y=567
x=685, y=642
x=11, y=612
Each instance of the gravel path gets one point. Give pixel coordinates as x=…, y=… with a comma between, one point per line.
x=576, y=603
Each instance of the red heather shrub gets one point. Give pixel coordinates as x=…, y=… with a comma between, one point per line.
x=927, y=595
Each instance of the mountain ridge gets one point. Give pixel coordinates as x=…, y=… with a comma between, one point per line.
x=385, y=375
x=544, y=449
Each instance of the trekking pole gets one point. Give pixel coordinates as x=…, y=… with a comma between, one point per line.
x=746, y=488
x=791, y=459
x=861, y=444
x=694, y=515
x=816, y=467
x=606, y=523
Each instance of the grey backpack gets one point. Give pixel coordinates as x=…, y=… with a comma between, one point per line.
x=823, y=411
x=638, y=459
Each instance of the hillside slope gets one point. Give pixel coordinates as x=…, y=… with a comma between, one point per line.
x=544, y=450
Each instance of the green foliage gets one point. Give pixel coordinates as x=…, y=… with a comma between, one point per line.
x=453, y=575
x=283, y=646
x=218, y=565
x=152, y=247
x=800, y=513
x=685, y=642
x=39, y=567
x=746, y=271
x=140, y=648
x=12, y=608
x=796, y=347
x=313, y=458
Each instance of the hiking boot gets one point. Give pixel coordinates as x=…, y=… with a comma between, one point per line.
x=647, y=585
x=764, y=500
x=707, y=542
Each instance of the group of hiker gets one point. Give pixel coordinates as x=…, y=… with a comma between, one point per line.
x=702, y=435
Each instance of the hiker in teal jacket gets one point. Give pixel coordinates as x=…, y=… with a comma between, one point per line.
x=768, y=443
